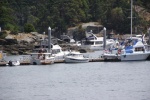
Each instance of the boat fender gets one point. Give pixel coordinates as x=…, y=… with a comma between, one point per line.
x=119, y=51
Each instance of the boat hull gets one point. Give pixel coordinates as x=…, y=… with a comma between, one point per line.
x=13, y=63
x=76, y=60
x=111, y=57
x=134, y=57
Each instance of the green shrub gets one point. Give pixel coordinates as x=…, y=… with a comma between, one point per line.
x=9, y=26
x=3, y=34
x=15, y=30
x=29, y=28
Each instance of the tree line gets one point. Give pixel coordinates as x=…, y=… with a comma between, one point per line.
x=37, y=15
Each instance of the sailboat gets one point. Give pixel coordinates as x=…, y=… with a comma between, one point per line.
x=133, y=48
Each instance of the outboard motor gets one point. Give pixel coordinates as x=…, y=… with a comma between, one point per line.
x=10, y=63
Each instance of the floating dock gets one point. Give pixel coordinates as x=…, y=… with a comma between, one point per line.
x=111, y=57
x=25, y=63
x=59, y=61
x=96, y=60
x=3, y=63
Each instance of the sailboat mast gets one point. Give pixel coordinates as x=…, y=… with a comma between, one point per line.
x=131, y=17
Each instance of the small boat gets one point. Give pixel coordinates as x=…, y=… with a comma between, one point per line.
x=14, y=63
x=41, y=58
x=76, y=57
x=112, y=52
x=56, y=50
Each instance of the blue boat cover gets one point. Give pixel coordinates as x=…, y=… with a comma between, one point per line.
x=128, y=49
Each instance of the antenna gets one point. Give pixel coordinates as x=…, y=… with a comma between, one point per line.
x=131, y=17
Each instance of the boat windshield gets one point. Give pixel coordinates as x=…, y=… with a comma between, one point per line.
x=88, y=42
x=76, y=55
x=99, y=42
x=55, y=51
x=139, y=49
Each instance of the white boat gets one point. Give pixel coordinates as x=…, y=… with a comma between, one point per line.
x=76, y=57
x=42, y=54
x=134, y=52
x=113, y=52
x=56, y=52
x=95, y=43
x=41, y=58
x=14, y=63
x=134, y=48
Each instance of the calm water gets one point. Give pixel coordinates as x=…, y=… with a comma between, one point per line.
x=84, y=81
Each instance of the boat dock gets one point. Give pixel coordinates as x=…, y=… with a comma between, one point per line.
x=27, y=62
x=3, y=63
x=102, y=59
x=90, y=60
x=96, y=60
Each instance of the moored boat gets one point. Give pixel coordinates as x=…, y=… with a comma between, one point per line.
x=76, y=57
x=132, y=50
x=41, y=58
x=95, y=43
x=14, y=63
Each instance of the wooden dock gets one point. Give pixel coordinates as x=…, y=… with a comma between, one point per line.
x=90, y=60
x=59, y=61
x=96, y=60
x=3, y=63
x=25, y=63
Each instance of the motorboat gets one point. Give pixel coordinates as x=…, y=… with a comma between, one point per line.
x=113, y=52
x=14, y=63
x=76, y=57
x=95, y=43
x=40, y=55
x=133, y=49
x=56, y=50
x=41, y=58
x=58, y=53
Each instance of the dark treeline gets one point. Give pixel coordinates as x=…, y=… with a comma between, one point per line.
x=37, y=15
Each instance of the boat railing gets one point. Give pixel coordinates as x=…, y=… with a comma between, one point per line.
x=147, y=47
x=25, y=59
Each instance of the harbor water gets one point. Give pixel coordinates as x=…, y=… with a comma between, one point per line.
x=82, y=81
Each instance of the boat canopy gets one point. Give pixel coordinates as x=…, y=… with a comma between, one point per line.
x=128, y=49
